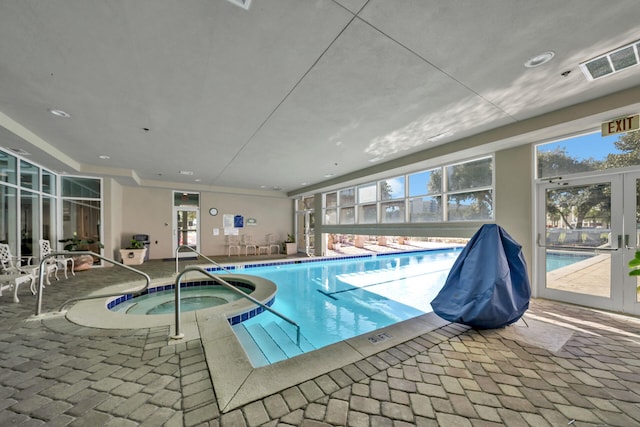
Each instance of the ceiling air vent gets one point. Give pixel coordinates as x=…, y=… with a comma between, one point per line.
x=612, y=62
x=242, y=3
x=20, y=151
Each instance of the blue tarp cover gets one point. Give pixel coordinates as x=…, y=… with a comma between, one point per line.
x=488, y=286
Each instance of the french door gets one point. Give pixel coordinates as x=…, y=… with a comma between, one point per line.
x=587, y=231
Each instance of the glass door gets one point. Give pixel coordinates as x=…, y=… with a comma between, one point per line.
x=186, y=223
x=186, y=230
x=631, y=240
x=580, y=250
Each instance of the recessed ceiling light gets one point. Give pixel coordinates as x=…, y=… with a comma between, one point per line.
x=60, y=113
x=538, y=60
x=329, y=175
x=103, y=157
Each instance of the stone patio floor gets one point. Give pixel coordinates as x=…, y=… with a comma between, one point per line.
x=567, y=365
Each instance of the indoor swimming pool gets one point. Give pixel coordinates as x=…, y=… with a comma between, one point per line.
x=333, y=300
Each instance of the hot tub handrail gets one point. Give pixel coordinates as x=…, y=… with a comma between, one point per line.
x=199, y=254
x=230, y=287
x=93, y=254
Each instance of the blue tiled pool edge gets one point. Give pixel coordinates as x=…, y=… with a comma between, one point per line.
x=233, y=320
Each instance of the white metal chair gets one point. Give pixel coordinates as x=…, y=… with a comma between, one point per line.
x=271, y=241
x=13, y=275
x=247, y=242
x=232, y=243
x=59, y=261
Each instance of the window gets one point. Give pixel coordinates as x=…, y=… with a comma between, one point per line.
x=587, y=153
x=469, y=190
x=82, y=209
x=455, y=192
x=7, y=168
x=29, y=176
x=391, y=189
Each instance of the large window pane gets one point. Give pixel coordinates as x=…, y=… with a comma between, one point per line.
x=307, y=203
x=392, y=188
x=29, y=177
x=48, y=183
x=7, y=168
x=81, y=219
x=424, y=183
x=586, y=153
x=465, y=176
x=347, y=197
x=331, y=200
x=347, y=216
x=392, y=212
x=425, y=209
x=29, y=223
x=472, y=206
x=80, y=187
x=368, y=214
x=8, y=217
x=367, y=193
x=330, y=216
x=186, y=199
x=49, y=220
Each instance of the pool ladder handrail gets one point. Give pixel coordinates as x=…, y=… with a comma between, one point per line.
x=179, y=335
x=93, y=254
x=199, y=254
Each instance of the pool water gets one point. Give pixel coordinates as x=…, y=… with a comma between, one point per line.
x=338, y=299
x=556, y=260
x=193, y=298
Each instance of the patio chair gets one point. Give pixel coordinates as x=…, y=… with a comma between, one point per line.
x=12, y=275
x=233, y=244
x=58, y=261
x=271, y=241
x=247, y=242
x=264, y=247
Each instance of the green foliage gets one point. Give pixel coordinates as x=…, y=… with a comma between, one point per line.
x=135, y=244
x=629, y=144
x=634, y=265
x=77, y=244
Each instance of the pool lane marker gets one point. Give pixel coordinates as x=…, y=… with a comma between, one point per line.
x=331, y=294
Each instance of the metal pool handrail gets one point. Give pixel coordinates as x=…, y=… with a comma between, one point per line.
x=199, y=254
x=112, y=261
x=229, y=286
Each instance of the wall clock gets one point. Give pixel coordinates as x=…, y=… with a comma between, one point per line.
x=213, y=211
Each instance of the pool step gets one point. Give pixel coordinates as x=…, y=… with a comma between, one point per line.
x=269, y=342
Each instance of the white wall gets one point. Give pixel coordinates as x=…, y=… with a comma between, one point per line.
x=514, y=201
x=149, y=211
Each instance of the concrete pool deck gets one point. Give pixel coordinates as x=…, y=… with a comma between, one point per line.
x=569, y=365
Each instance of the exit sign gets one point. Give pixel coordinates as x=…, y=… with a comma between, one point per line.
x=624, y=124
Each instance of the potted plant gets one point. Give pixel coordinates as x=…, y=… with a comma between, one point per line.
x=289, y=246
x=134, y=253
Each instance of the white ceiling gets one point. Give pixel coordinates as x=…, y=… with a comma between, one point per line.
x=290, y=90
